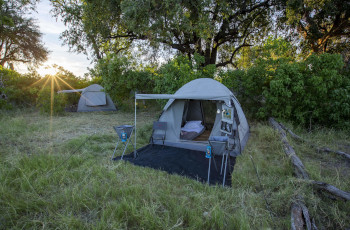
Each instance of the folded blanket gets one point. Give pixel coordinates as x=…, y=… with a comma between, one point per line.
x=193, y=126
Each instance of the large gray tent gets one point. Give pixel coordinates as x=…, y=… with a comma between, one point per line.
x=93, y=98
x=201, y=100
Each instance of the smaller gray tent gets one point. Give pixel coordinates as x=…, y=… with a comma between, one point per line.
x=93, y=98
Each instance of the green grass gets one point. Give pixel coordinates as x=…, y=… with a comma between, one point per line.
x=40, y=188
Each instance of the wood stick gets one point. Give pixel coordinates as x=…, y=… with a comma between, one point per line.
x=331, y=189
x=325, y=149
x=291, y=133
x=289, y=151
x=299, y=212
x=296, y=217
x=300, y=215
x=299, y=167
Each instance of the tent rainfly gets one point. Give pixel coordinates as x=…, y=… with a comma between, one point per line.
x=93, y=98
x=205, y=100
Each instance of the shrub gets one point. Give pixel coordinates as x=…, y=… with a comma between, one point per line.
x=18, y=88
x=51, y=102
x=306, y=92
x=179, y=71
x=121, y=79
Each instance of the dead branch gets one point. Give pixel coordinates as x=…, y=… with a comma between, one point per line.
x=296, y=216
x=299, y=212
x=300, y=215
x=331, y=189
x=299, y=167
x=289, y=151
x=291, y=133
x=325, y=149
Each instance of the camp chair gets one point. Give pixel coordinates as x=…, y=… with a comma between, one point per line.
x=161, y=134
x=122, y=130
x=219, y=146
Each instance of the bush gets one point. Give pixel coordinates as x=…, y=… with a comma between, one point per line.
x=18, y=88
x=121, y=79
x=179, y=71
x=306, y=92
x=51, y=102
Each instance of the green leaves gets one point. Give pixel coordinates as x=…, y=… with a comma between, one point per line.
x=20, y=37
x=216, y=30
x=179, y=71
x=323, y=25
x=312, y=91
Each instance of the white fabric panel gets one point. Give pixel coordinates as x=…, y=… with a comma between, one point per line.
x=94, y=98
x=173, y=117
x=243, y=127
x=217, y=124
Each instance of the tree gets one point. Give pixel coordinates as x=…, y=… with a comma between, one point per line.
x=324, y=25
x=20, y=38
x=216, y=30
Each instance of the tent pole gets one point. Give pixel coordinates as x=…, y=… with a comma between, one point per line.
x=209, y=170
x=135, y=129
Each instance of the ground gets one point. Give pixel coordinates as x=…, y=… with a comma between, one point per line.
x=44, y=186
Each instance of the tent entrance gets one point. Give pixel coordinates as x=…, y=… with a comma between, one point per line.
x=198, y=110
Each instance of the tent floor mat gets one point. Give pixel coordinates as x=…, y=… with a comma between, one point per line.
x=204, y=136
x=184, y=162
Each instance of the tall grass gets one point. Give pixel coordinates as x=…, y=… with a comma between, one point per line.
x=41, y=187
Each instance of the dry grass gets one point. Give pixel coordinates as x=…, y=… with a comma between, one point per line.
x=40, y=188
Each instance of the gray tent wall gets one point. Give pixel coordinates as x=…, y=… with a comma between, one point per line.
x=199, y=89
x=94, y=99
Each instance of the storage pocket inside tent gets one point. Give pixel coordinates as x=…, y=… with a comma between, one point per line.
x=95, y=98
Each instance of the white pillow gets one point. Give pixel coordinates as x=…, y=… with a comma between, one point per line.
x=193, y=126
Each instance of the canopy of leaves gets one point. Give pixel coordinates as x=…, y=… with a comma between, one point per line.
x=20, y=38
x=324, y=25
x=270, y=50
x=216, y=30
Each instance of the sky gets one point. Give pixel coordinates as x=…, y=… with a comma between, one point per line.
x=59, y=55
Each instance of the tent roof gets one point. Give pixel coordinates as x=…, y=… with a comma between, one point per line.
x=199, y=89
x=93, y=88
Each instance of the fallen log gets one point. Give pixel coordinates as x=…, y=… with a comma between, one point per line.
x=289, y=151
x=299, y=167
x=291, y=133
x=331, y=189
x=325, y=149
x=300, y=216
x=296, y=217
x=299, y=212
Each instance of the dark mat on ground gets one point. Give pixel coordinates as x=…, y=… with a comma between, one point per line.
x=184, y=162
